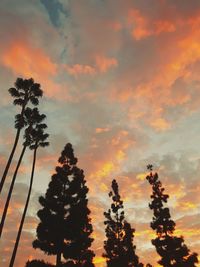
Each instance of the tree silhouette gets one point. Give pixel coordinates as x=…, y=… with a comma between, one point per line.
x=172, y=250
x=38, y=263
x=25, y=91
x=65, y=227
x=119, y=247
x=37, y=139
x=31, y=117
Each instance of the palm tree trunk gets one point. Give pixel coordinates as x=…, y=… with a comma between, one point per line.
x=12, y=152
x=10, y=190
x=10, y=160
x=24, y=212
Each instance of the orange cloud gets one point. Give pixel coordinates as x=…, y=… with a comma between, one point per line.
x=122, y=95
x=157, y=91
x=22, y=58
x=109, y=163
x=101, y=130
x=144, y=27
x=105, y=170
x=188, y=232
x=160, y=124
x=140, y=24
x=164, y=26
x=78, y=69
x=104, y=187
x=141, y=176
x=188, y=206
x=103, y=63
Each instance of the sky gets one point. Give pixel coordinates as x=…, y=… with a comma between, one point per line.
x=121, y=83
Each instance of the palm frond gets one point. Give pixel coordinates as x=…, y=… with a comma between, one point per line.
x=44, y=144
x=19, y=83
x=36, y=90
x=18, y=101
x=34, y=101
x=14, y=92
x=19, y=121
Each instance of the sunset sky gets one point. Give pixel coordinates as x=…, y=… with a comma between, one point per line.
x=121, y=81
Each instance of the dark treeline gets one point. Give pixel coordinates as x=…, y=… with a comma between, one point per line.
x=65, y=228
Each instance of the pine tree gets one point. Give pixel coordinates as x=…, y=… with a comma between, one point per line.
x=172, y=250
x=25, y=91
x=37, y=139
x=31, y=118
x=119, y=248
x=65, y=228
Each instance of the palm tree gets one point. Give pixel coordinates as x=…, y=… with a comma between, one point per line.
x=38, y=140
x=25, y=91
x=31, y=117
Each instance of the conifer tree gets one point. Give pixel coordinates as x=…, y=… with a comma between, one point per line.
x=25, y=91
x=65, y=227
x=119, y=248
x=172, y=250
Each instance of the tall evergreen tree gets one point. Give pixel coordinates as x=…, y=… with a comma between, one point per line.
x=31, y=118
x=172, y=250
x=37, y=139
x=119, y=248
x=65, y=227
x=25, y=91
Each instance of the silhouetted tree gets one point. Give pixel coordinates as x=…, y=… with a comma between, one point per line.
x=25, y=91
x=120, y=251
x=172, y=250
x=37, y=139
x=31, y=118
x=38, y=263
x=65, y=226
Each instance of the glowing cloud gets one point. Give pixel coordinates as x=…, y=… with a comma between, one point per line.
x=28, y=61
x=103, y=63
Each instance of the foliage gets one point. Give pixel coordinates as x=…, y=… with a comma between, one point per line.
x=34, y=138
x=25, y=91
x=65, y=228
x=119, y=248
x=172, y=250
x=38, y=263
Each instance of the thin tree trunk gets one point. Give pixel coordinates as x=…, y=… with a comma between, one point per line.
x=24, y=212
x=10, y=160
x=58, y=260
x=10, y=190
x=12, y=152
